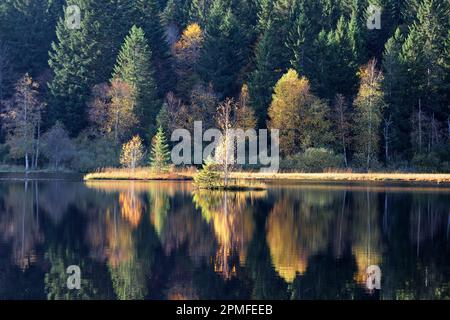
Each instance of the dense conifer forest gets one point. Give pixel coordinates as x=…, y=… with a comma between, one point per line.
x=343, y=94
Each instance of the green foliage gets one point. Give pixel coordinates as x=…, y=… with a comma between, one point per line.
x=145, y=14
x=160, y=154
x=75, y=62
x=134, y=67
x=208, y=177
x=57, y=146
x=221, y=58
x=368, y=105
x=394, y=85
x=301, y=117
x=95, y=153
x=263, y=78
x=313, y=160
x=238, y=41
x=28, y=28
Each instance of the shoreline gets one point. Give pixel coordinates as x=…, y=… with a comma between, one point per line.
x=147, y=175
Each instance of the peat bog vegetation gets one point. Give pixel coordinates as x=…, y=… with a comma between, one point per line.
x=351, y=96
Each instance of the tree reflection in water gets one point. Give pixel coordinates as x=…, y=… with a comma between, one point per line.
x=164, y=240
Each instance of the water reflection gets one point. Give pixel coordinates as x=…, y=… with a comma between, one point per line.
x=163, y=240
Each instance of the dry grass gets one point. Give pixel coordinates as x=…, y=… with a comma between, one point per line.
x=346, y=176
x=188, y=174
x=139, y=174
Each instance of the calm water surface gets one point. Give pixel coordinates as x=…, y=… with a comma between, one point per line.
x=165, y=240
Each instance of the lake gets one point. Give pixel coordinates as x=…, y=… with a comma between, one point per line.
x=166, y=240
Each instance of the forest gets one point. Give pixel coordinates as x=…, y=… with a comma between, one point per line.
x=343, y=95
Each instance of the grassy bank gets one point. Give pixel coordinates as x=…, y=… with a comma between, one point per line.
x=350, y=177
x=139, y=174
x=148, y=174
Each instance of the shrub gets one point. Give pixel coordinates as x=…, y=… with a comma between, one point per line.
x=95, y=153
x=313, y=160
x=208, y=177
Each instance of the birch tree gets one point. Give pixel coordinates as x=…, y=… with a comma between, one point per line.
x=342, y=123
x=368, y=106
x=132, y=153
x=23, y=116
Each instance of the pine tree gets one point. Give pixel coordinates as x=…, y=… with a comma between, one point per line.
x=396, y=94
x=160, y=155
x=265, y=9
x=221, y=58
x=426, y=55
x=146, y=15
x=263, y=78
x=28, y=29
x=342, y=67
x=198, y=11
x=276, y=20
x=176, y=13
x=134, y=67
x=77, y=62
x=356, y=36
x=208, y=177
x=187, y=53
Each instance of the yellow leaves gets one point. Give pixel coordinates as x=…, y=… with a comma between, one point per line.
x=370, y=81
x=192, y=37
x=193, y=31
x=290, y=101
x=132, y=153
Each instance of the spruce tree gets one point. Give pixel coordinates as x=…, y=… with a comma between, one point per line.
x=426, y=56
x=73, y=60
x=28, y=29
x=221, y=58
x=394, y=87
x=134, y=67
x=276, y=19
x=160, y=154
x=198, y=11
x=146, y=15
x=264, y=77
x=208, y=177
x=339, y=68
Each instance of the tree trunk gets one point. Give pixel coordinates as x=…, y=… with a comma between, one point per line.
x=26, y=162
x=36, y=156
x=420, y=127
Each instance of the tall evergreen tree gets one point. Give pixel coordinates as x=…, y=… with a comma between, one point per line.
x=426, y=55
x=160, y=155
x=264, y=77
x=221, y=59
x=394, y=84
x=146, y=15
x=73, y=60
x=28, y=29
x=198, y=11
x=272, y=57
x=134, y=67
x=302, y=35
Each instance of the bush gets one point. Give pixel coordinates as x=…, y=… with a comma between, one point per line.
x=313, y=160
x=95, y=153
x=208, y=177
x=430, y=162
